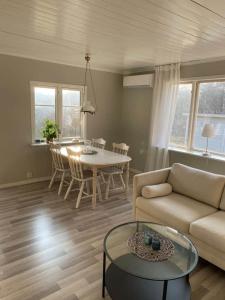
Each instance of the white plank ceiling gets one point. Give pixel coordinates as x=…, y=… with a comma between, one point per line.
x=120, y=34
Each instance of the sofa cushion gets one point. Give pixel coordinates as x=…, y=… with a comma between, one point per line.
x=156, y=190
x=197, y=184
x=222, y=203
x=175, y=210
x=211, y=230
x=142, y=216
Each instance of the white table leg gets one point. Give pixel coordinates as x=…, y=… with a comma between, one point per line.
x=127, y=178
x=94, y=170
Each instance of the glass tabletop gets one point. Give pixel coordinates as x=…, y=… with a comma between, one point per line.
x=183, y=260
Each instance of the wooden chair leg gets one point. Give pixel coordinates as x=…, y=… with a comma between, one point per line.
x=103, y=178
x=52, y=179
x=123, y=183
x=53, y=167
x=107, y=187
x=80, y=194
x=99, y=190
x=88, y=187
x=61, y=183
x=113, y=182
x=69, y=189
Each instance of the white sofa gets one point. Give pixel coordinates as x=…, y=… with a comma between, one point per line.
x=195, y=206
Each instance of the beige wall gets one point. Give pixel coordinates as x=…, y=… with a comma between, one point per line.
x=135, y=116
x=123, y=115
x=206, y=69
x=17, y=155
x=203, y=163
x=136, y=111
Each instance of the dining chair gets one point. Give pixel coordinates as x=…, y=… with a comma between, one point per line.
x=77, y=141
x=60, y=167
x=110, y=172
x=80, y=175
x=99, y=143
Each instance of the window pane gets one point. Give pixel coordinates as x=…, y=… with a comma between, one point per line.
x=71, y=113
x=44, y=100
x=71, y=97
x=71, y=122
x=44, y=96
x=211, y=110
x=42, y=113
x=179, y=134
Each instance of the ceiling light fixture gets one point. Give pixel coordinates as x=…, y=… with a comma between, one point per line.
x=87, y=106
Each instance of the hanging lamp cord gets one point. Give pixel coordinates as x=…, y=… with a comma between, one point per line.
x=88, y=68
x=85, y=74
x=93, y=87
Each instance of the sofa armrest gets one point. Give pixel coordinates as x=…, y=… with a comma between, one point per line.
x=148, y=178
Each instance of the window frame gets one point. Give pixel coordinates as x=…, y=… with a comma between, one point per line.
x=185, y=147
x=193, y=114
x=58, y=105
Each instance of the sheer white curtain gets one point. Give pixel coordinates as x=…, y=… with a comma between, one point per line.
x=165, y=91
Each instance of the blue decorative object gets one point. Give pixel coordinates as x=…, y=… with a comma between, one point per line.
x=155, y=244
x=147, y=239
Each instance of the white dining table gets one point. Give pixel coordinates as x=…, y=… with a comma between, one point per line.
x=102, y=159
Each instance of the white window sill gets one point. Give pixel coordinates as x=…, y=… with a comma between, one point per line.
x=197, y=153
x=63, y=143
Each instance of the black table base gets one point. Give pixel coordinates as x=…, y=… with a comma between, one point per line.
x=124, y=286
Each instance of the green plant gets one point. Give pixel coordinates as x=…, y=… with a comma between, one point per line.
x=51, y=130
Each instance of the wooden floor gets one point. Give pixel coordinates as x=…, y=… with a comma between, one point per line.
x=49, y=250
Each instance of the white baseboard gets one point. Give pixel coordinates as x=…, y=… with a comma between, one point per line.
x=135, y=171
x=23, y=182
x=40, y=179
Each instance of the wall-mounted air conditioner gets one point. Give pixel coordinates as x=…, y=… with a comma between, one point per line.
x=145, y=80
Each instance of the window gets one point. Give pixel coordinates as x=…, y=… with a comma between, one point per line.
x=60, y=103
x=198, y=103
x=181, y=120
x=44, y=101
x=211, y=109
x=71, y=116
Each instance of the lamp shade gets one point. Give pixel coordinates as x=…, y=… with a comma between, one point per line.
x=88, y=108
x=208, y=131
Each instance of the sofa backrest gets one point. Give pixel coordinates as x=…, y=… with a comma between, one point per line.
x=197, y=184
x=222, y=203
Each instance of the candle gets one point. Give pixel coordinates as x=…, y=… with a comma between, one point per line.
x=147, y=239
x=155, y=244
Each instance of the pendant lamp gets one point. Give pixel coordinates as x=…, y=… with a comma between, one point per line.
x=88, y=105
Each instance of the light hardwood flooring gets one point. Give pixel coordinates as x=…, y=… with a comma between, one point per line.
x=49, y=250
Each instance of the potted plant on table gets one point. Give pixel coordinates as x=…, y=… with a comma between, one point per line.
x=50, y=131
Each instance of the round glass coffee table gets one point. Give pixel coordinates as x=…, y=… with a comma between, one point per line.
x=126, y=276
